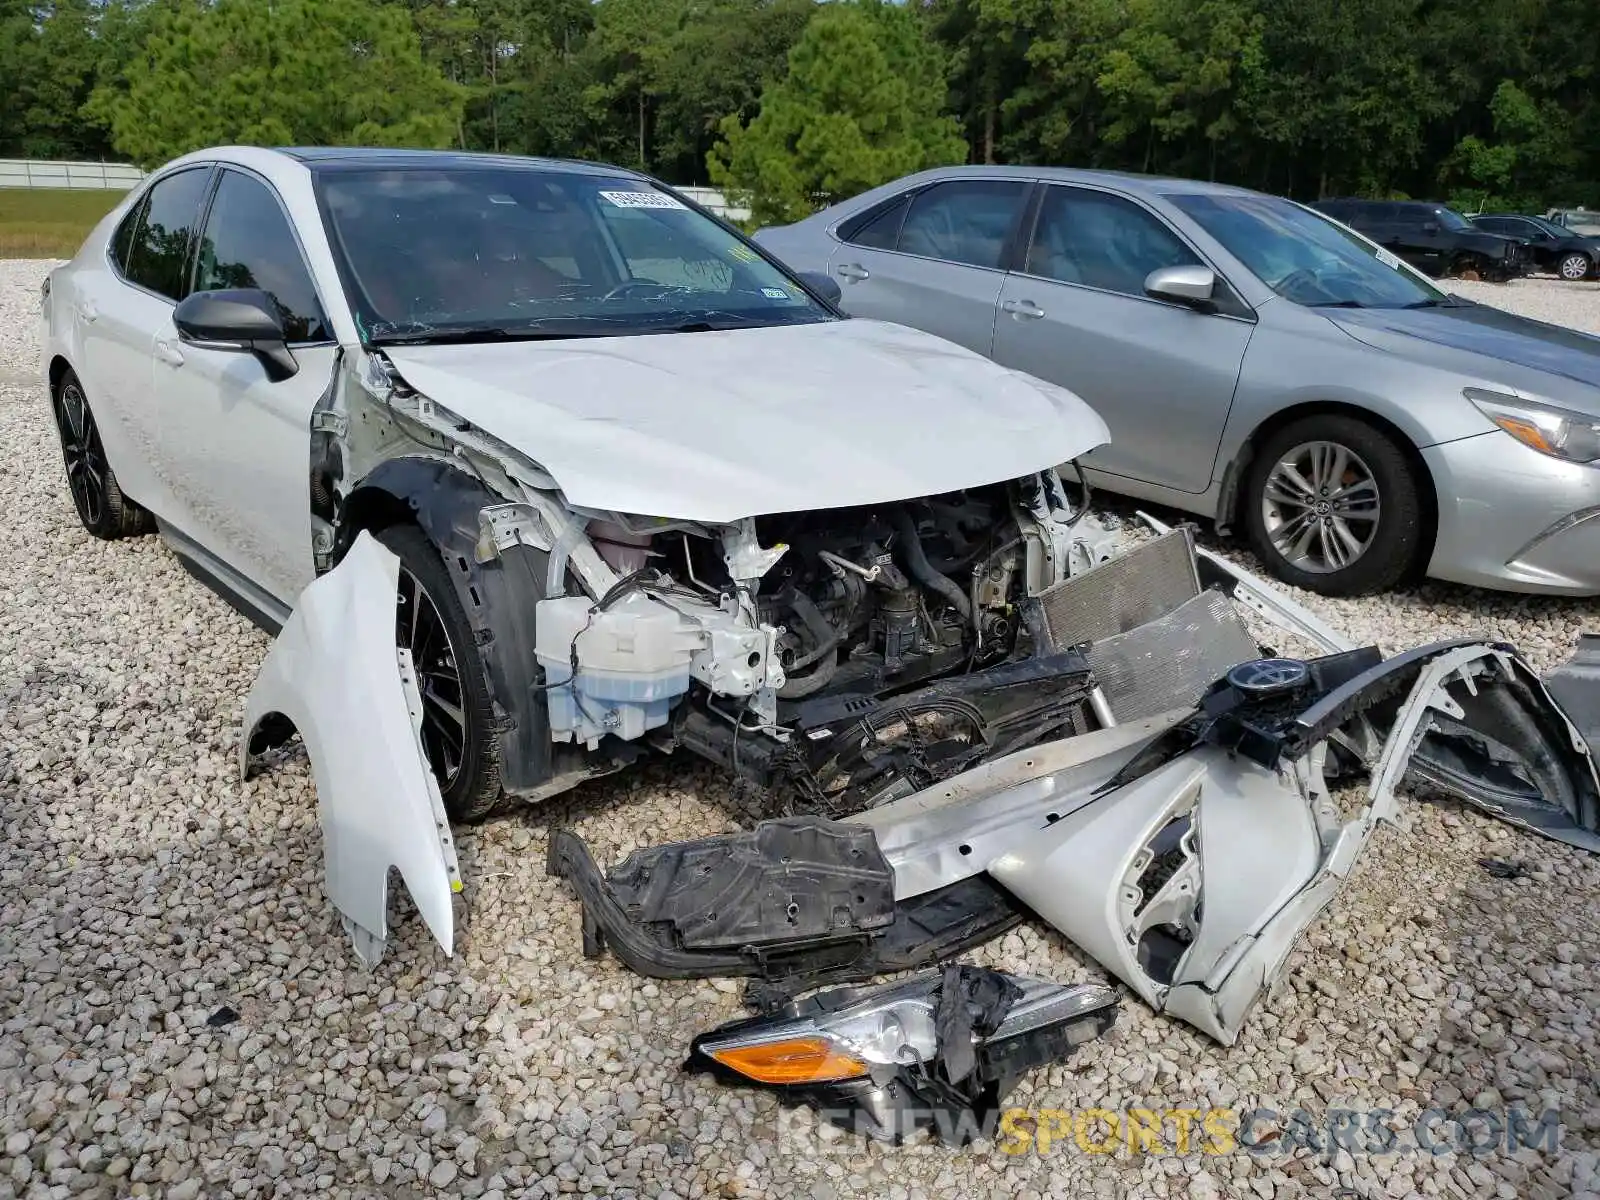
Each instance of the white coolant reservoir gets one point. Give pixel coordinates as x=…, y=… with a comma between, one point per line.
x=633, y=663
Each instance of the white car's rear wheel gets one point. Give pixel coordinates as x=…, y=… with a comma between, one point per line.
x=102, y=508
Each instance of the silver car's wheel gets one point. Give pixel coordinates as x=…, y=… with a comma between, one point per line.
x=1575, y=266
x=1321, y=507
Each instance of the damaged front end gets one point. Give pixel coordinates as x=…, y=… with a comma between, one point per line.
x=1186, y=852
x=957, y=713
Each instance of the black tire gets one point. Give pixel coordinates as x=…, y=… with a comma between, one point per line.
x=1468, y=266
x=1575, y=266
x=1391, y=548
x=96, y=495
x=450, y=676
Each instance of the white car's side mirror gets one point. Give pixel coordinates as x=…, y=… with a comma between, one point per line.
x=238, y=319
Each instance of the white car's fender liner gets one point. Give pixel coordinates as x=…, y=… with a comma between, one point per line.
x=335, y=676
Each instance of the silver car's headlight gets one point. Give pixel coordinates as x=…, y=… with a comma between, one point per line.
x=1558, y=432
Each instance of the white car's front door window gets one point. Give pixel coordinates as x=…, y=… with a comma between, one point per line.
x=240, y=441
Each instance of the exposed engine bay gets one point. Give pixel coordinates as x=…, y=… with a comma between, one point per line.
x=744, y=645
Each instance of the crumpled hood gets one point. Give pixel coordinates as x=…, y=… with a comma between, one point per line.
x=1480, y=340
x=719, y=426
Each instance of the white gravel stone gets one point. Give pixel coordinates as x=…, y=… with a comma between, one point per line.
x=143, y=887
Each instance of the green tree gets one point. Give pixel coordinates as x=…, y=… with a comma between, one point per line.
x=624, y=57
x=749, y=43
x=1344, y=109
x=1169, y=78
x=862, y=103
x=48, y=53
x=17, y=59
x=1053, y=111
x=988, y=61
x=330, y=72
x=1533, y=148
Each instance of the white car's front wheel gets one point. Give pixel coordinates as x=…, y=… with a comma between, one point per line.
x=458, y=732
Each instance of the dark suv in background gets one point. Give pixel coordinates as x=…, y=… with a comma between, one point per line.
x=1554, y=248
x=1432, y=238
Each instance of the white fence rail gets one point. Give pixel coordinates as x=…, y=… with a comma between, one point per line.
x=714, y=201
x=92, y=176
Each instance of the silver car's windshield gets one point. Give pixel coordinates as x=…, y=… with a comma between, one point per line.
x=480, y=253
x=1305, y=257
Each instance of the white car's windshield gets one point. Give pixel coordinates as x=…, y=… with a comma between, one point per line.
x=1305, y=257
x=478, y=253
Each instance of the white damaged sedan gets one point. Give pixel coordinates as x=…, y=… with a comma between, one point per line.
x=535, y=469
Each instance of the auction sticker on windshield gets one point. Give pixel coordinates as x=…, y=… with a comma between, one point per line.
x=1389, y=260
x=641, y=200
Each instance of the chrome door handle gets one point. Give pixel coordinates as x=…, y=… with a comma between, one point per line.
x=1023, y=308
x=169, y=354
x=852, y=271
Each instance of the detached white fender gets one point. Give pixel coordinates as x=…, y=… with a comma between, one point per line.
x=336, y=675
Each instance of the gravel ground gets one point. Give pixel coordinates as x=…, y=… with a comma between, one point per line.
x=146, y=889
x=1544, y=299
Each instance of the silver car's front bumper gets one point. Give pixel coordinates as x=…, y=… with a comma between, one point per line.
x=1510, y=517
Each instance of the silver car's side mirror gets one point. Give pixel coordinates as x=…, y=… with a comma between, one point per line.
x=1193, y=286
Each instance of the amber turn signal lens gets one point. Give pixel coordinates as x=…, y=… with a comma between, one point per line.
x=1525, y=432
x=794, y=1060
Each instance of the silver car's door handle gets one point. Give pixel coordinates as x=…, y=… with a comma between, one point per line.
x=168, y=353
x=1023, y=308
x=852, y=271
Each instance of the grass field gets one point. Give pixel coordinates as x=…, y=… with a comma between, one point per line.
x=49, y=223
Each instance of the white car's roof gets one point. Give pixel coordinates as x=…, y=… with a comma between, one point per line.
x=277, y=163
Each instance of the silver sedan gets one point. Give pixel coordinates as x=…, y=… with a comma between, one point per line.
x=1257, y=363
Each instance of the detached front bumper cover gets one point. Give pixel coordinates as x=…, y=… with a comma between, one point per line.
x=939, y=1051
x=1193, y=875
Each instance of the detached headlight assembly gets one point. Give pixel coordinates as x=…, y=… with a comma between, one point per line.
x=1558, y=432
x=937, y=1051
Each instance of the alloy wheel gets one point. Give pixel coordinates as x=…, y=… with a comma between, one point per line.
x=420, y=629
x=84, y=455
x=1574, y=266
x=1321, y=507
